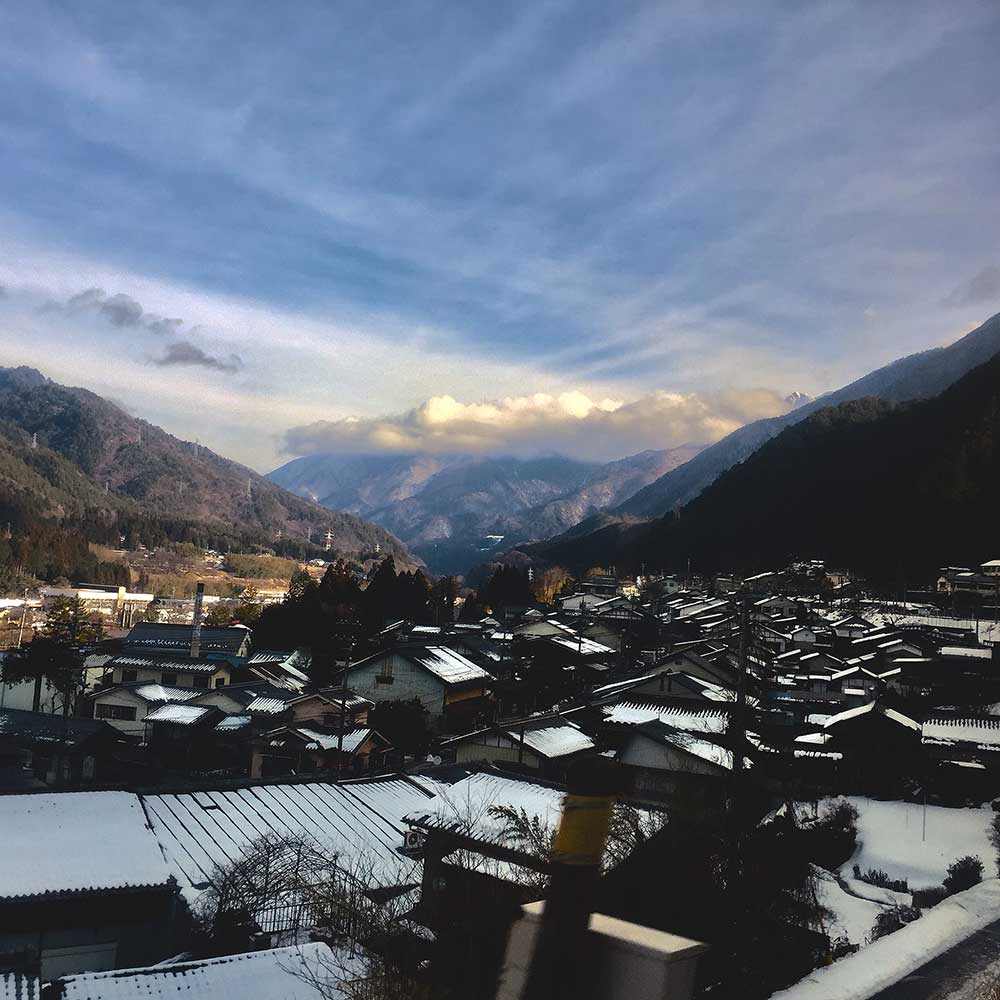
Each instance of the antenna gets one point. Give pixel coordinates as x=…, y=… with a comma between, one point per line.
x=328, y=540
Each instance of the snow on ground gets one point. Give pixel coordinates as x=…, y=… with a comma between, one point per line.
x=890, y=959
x=892, y=837
x=888, y=897
x=851, y=917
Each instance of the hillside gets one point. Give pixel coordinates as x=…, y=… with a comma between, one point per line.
x=891, y=489
x=453, y=510
x=918, y=376
x=110, y=474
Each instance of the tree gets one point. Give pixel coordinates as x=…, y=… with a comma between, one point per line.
x=68, y=622
x=299, y=582
x=550, y=583
x=963, y=874
x=249, y=608
x=42, y=661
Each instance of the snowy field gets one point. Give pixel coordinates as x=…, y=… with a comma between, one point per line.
x=892, y=836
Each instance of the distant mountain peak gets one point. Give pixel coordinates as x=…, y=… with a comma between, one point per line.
x=797, y=399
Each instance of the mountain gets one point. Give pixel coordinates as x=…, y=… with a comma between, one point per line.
x=918, y=376
x=892, y=489
x=71, y=454
x=453, y=510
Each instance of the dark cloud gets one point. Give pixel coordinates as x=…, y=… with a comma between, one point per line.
x=183, y=352
x=984, y=287
x=119, y=310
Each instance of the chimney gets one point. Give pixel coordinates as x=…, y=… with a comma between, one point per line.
x=199, y=597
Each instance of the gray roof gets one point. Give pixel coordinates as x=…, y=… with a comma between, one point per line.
x=151, y=636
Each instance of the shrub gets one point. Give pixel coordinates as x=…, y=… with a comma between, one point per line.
x=925, y=898
x=891, y=920
x=834, y=836
x=875, y=876
x=963, y=874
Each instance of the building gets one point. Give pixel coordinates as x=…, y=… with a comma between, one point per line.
x=114, y=605
x=170, y=671
x=83, y=885
x=219, y=642
x=126, y=706
x=312, y=749
x=446, y=683
x=544, y=744
x=293, y=973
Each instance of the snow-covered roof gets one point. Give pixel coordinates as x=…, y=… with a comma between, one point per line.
x=704, y=749
x=179, y=666
x=199, y=830
x=957, y=730
x=76, y=842
x=968, y=652
x=232, y=723
x=635, y=713
x=467, y=804
x=447, y=665
x=556, y=740
x=264, y=705
x=872, y=706
x=583, y=645
x=19, y=986
x=181, y=715
x=288, y=973
x=894, y=957
x=330, y=741
x=161, y=693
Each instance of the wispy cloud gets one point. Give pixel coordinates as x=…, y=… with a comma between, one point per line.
x=119, y=310
x=183, y=352
x=983, y=287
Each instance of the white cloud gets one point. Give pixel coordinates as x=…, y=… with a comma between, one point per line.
x=570, y=423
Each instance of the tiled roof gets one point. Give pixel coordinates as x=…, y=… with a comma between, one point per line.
x=264, y=705
x=325, y=740
x=76, y=842
x=962, y=730
x=285, y=973
x=703, y=720
x=232, y=723
x=214, y=638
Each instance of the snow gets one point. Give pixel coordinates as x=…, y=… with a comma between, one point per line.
x=265, y=705
x=852, y=917
x=963, y=730
x=157, y=692
x=232, y=722
x=76, y=841
x=182, y=715
x=288, y=973
x=554, y=741
x=635, y=713
x=584, y=646
x=325, y=741
x=892, y=958
x=449, y=666
x=891, y=837
x=888, y=897
x=872, y=706
x=968, y=652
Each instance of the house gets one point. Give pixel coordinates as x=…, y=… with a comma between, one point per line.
x=170, y=671
x=325, y=708
x=298, y=972
x=125, y=706
x=446, y=683
x=666, y=762
x=222, y=642
x=37, y=749
x=285, y=670
x=544, y=744
x=83, y=885
x=310, y=749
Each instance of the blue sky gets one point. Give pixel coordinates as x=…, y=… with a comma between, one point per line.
x=672, y=212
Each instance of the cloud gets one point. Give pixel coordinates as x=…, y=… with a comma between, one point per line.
x=183, y=352
x=119, y=310
x=983, y=287
x=570, y=423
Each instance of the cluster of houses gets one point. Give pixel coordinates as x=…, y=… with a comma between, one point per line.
x=178, y=761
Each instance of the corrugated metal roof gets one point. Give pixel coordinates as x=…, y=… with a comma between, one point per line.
x=635, y=713
x=285, y=973
x=232, y=723
x=330, y=741
x=447, y=665
x=174, y=666
x=264, y=705
x=558, y=738
x=76, y=842
x=199, y=830
x=158, y=692
x=181, y=715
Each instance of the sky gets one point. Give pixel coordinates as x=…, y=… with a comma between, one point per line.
x=552, y=226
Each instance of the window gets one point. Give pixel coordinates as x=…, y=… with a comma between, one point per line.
x=129, y=675
x=200, y=682
x=125, y=713
x=385, y=676
x=220, y=682
x=170, y=680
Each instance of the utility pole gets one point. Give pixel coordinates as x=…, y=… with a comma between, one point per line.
x=24, y=612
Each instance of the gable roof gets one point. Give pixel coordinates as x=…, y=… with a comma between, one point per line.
x=181, y=715
x=447, y=665
x=985, y=733
x=635, y=712
x=872, y=707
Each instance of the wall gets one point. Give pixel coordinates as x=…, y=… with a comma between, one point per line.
x=409, y=681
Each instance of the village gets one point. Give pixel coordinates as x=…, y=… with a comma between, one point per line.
x=187, y=804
